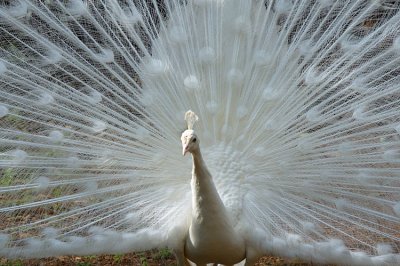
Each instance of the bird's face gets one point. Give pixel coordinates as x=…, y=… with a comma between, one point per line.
x=189, y=141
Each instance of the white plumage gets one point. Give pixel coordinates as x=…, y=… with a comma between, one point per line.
x=298, y=105
x=212, y=235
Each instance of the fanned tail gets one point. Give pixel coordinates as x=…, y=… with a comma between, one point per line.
x=298, y=104
x=84, y=165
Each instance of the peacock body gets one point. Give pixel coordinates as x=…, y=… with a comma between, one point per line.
x=298, y=105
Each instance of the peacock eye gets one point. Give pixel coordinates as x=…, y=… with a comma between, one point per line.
x=194, y=140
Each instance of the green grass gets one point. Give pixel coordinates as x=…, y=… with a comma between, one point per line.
x=12, y=263
x=57, y=192
x=143, y=259
x=118, y=258
x=151, y=257
x=13, y=118
x=7, y=177
x=163, y=254
x=84, y=263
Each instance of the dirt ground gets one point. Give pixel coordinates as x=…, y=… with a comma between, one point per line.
x=150, y=258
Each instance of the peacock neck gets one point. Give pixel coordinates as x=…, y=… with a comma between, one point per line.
x=201, y=177
x=206, y=200
x=199, y=168
x=211, y=227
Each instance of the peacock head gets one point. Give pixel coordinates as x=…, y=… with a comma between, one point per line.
x=189, y=139
x=190, y=142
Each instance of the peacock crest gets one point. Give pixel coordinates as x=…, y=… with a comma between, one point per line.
x=191, y=118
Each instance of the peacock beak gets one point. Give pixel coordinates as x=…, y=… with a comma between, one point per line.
x=185, y=149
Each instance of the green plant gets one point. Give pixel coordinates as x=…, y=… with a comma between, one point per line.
x=12, y=263
x=83, y=263
x=118, y=258
x=163, y=254
x=7, y=177
x=57, y=192
x=143, y=259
